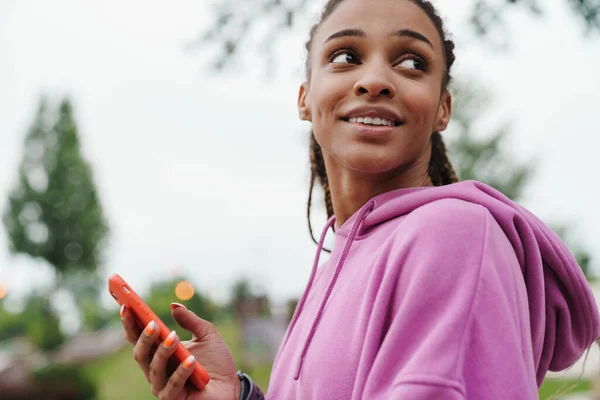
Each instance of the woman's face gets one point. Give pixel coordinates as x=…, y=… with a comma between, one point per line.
x=375, y=90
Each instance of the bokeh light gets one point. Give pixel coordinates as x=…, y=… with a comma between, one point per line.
x=184, y=290
x=2, y=290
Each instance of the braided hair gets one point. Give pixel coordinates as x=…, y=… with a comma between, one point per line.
x=440, y=169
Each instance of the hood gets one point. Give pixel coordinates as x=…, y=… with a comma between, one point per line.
x=564, y=317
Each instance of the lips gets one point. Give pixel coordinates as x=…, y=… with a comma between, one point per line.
x=368, y=115
x=375, y=121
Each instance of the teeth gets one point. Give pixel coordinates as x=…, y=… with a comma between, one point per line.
x=371, y=121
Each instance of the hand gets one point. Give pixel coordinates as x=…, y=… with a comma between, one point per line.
x=206, y=346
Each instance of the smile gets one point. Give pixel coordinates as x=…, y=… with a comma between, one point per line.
x=371, y=121
x=373, y=116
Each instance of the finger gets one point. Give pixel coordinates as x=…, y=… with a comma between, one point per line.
x=132, y=328
x=177, y=381
x=191, y=322
x=158, y=365
x=142, y=352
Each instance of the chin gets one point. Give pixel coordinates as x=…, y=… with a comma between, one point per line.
x=368, y=163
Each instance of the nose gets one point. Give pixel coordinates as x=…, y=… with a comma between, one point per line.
x=375, y=82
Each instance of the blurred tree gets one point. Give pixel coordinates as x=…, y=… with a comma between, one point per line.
x=483, y=157
x=43, y=325
x=581, y=254
x=487, y=15
x=241, y=290
x=85, y=287
x=246, y=300
x=37, y=321
x=12, y=324
x=162, y=294
x=54, y=212
x=236, y=22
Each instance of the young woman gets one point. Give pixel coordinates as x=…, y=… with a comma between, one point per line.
x=434, y=289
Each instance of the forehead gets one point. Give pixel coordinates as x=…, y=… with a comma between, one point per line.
x=379, y=18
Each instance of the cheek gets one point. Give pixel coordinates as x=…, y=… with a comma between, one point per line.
x=326, y=96
x=325, y=99
x=421, y=101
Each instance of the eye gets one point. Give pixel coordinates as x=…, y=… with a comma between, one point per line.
x=412, y=63
x=344, y=57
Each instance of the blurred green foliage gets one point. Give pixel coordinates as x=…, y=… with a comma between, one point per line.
x=244, y=291
x=37, y=321
x=237, y=26
x=85, y=288
x=54, y=212
x=12, y=324
x=42, y=324
x=61, y=382
x=162, y=294
x=484, y=156
x=94, y=317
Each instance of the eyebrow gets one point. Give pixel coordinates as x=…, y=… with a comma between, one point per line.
x=412, y=34
x=360, y=33
x=346, y=32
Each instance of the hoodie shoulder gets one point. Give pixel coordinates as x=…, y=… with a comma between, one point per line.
x=448, y=216
x=439, y=232
x=447, y=236
x=458, y=284
x=450, y=238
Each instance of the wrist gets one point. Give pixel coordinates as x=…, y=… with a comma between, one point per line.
x=237, y=391
x=248, y=389
x=243, y=387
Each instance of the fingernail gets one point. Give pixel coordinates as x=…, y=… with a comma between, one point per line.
x=177, y=305
x=170, y=339
x=150, y=328
x=122, y=312
x=189, y=362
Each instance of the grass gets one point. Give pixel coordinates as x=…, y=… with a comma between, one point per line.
x=552, y=387
x=119, y=378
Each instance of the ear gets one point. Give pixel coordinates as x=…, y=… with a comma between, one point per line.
x=444, y=112
x=304, y=103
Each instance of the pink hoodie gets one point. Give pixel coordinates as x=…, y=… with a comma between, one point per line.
x=451, y=292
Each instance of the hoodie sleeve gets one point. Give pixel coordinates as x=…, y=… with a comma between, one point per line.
x=458, y=325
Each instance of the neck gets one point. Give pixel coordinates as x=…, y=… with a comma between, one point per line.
x=350, y=190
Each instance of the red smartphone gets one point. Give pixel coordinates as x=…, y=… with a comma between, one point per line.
x=124, y=294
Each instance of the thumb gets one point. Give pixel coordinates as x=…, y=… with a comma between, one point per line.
x=189, y=321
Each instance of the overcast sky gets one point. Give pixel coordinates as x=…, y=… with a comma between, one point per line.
x=208, y=174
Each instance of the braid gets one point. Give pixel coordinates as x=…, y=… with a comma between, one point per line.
x=308, y=207
x=440, y=169
x=317, y=171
